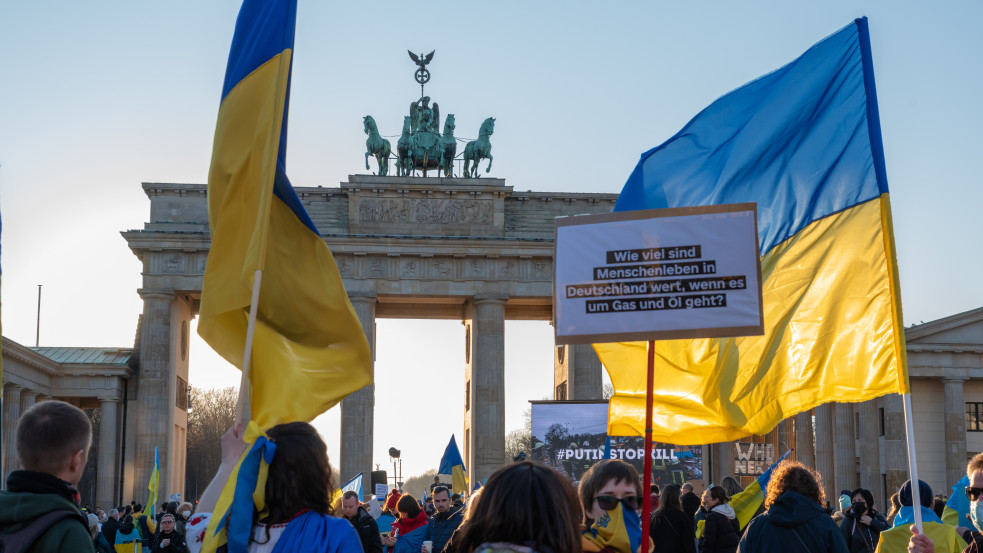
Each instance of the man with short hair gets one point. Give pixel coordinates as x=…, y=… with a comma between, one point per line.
x=445, y=521
x=110, y=527
x=52, y=440
x=169, y=540
x=691, y=503
x=365, y=525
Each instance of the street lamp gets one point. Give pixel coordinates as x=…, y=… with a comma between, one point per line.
x=397, y=475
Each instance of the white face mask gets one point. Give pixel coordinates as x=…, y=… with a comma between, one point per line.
x=185, y=514
x=976, y=514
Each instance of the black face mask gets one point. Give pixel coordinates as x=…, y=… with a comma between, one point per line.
x=859, y=508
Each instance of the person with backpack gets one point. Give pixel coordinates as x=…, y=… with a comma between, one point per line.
x=39, y=510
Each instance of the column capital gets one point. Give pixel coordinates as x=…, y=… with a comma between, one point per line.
x=108, y=400
x=359, y=298
x=9, y=388
x=954, y=379
x=148, y=294
x=490, y=298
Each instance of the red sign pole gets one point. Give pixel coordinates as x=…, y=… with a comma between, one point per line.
x=647, y=465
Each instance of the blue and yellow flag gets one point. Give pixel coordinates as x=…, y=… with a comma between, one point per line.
x=154, y=484
x=747, y=502
x=453, y=465
x=355, y=485
x=804, y=143
x=956, y=510
x=309, y=350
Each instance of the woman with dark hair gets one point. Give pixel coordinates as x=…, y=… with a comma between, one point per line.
x=611, y=499
x=862, y=524
x=409, y=532
x=525, y=507
x=794, y=518
x=721, y=531
x=671, y=528
x=298, y=496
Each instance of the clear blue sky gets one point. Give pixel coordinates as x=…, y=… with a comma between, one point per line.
x=98, y=97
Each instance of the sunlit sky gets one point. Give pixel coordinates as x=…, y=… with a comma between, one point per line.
x=97, y=97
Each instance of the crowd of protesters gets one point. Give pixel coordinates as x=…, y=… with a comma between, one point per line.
x=524, y=507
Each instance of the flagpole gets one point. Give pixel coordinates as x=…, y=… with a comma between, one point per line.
x=243, y=412
x=916, y=502
x=647, y=463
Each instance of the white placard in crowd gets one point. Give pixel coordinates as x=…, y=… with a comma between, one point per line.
x=657, y=274
x=381, y=490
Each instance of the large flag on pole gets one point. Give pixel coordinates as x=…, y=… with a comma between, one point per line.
x=153, y=484
x=309, y=350
x=804, y=143
x=452, y=464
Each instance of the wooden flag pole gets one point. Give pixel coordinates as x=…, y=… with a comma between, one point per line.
x=916, y=502
x=647, y=463
x=244, y=411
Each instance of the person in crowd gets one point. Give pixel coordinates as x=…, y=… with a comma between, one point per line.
x=457, y=502
x=128, y=510
x=721, y=531
x=794, y=519
x=52, y=442
x=938, y=505
x=127, y=538
x=410, y=531
x=731, y=486
x=525, y=507
x=895, y=540
x=184, y=511
x=895, y=506
x=700, y=516
x=386, y=520
x=101, y=516
x=111, y=525
x=671, y=528
x=611, y=499
x=436, y=482
x=362, y=521
x=691, y=501
x=145, y=525
x=168, y=539
x=445, y=519
x=428, y=506
x=862, y=524
x=298, y=492
x=924, y=543
x=653, y=498
x=99, y=542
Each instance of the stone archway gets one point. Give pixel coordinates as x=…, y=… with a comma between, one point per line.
x=406, y=247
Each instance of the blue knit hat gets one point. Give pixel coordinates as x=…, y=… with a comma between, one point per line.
x=924, y=493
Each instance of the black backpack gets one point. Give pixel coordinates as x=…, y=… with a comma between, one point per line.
x=21, y=540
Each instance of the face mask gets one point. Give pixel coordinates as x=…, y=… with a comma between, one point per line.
x=844, y=502
x=976, y=514
x=185, y=514
x=859, y=508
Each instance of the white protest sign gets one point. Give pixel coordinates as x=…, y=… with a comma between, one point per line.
x=657, y=274
x=380, y=491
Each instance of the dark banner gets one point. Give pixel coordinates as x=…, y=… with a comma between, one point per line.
x=571, y=437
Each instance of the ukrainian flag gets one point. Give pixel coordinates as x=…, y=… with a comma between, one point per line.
x=804, y=143
x=309, y=350
x=154, y=484
x=453, y=465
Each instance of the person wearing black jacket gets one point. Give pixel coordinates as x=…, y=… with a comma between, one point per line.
x=690, y=501
x=366, y=526
x=721, y=532
x=671, y=528
x=862, y=525
x=167, y=539
x=445, y=519
x=111, y=525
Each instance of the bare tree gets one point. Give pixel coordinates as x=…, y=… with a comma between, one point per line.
x=416, y=485
x=210, y=414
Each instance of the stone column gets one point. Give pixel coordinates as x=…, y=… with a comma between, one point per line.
x=154, y=412
x=580, y=368
x=895, y=446
x=723, y=461
x=11, y=413
x=805, y=448
x=955, y=429
x=487, y=413
x=357, y=410
x=846, y=456
x=870, y=451
x=825, y=452
x=108, y=450
x=27, y=400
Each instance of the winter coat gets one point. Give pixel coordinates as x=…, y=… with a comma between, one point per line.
x=673, y=533
x=101, y=545
x=793, y=523
x=691, y=503
x=411, y=534
x=109, y=529
x=442, y=527
x=125, y=538
x=861, y=538
x=722, y=531
x=31, y=494
x=176, y=545
x=368, y=531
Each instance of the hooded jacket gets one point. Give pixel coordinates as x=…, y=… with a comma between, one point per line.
x=673, y=533
x=793, y=523
x=31, y=494
x=442, y=527
x=721, y=532
x=368, y=531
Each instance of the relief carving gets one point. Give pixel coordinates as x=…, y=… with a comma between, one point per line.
x=344, y=267
x=409, y=269
x=440, y=268
x=375, y=267
x=426, y=211
x=540, y=270
x=174, y=264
